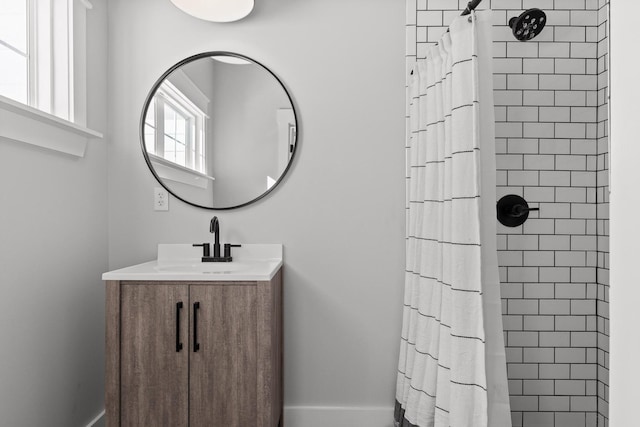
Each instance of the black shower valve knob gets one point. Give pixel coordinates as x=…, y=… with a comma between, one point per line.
x=512, y=210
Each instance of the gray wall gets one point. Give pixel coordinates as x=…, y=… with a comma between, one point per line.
x=53, y=250
x=625, y=233
x=340, y=211
x=551, y=144
x=244, y=132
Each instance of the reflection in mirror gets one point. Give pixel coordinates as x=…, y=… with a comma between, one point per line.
x=219, y=130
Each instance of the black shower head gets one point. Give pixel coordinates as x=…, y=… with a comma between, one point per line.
x=528, y=25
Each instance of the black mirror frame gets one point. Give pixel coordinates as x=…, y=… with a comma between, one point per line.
x=155, y=87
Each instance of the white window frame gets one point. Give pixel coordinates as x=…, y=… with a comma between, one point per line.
x=56, y=116
x=168, y=94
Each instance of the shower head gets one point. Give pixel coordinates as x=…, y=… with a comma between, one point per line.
x=528, y=25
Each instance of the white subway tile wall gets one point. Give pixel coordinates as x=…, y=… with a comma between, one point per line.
x=551, y=104
x=602, y=212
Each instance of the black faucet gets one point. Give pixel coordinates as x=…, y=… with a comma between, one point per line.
x=214, y=227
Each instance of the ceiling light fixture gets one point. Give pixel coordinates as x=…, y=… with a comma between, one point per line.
x=216, y=10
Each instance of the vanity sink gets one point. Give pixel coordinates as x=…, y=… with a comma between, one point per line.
x=182, y=262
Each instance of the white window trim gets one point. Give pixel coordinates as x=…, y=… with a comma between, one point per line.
x=169, y=94
x=24, y=124
x=166, y=169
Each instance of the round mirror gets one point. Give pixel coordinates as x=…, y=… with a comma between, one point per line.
x=218, y=130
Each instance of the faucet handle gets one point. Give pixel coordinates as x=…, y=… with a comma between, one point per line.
x=227, y=249
x=206, y=248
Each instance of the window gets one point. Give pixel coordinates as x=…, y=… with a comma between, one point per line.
x=43, y=74
x=13, y=50
x=36, y=54
x=174, y=129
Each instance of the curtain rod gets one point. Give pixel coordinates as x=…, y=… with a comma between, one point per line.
x=470, y=6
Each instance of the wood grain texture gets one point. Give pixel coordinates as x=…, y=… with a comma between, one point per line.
x=223, y=371
x=270, y=351
x=279, y=343
x=235, y=379
x=154, y=376
x=112, y=356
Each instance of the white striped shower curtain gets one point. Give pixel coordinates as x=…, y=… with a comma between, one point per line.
x=452, y=369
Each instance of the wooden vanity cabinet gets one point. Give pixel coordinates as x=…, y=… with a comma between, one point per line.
x=194, y=353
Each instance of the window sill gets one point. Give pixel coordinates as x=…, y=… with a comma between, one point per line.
x=19, y=122
x=174, y=172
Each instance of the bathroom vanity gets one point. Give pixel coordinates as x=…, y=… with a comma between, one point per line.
x=194, y=338
x=195, y=344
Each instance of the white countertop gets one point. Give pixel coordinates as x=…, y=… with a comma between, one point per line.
x=182, y=262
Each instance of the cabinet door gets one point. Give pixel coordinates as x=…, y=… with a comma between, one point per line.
x=223, y=368
x=154, y=371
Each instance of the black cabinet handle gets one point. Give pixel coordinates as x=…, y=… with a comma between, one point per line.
x=196, y=344
x=178, y=343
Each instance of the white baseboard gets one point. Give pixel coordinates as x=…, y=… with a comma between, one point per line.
x=322, y=416
x=338, y=416
x=97, y=421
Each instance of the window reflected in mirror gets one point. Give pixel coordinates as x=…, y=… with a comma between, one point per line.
x=219, y=130
x=174, y=129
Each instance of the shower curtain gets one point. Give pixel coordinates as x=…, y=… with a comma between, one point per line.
x=452, y=369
